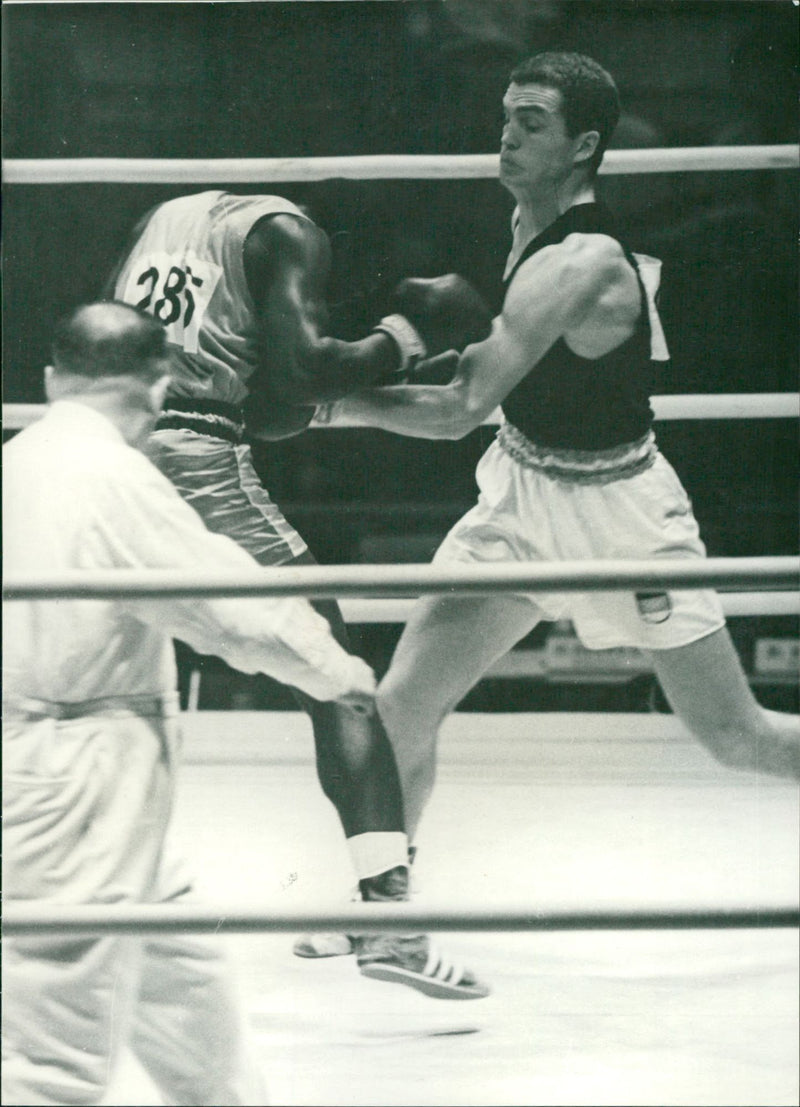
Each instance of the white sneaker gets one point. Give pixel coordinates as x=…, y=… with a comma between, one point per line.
x=414, y=960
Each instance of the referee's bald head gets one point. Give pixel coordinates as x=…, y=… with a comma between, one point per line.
x=109, y=339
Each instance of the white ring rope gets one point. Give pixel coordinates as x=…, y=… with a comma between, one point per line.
x=191, y=171
x=733, y=604
x=157, y=919
x=398, y=581
x=18, y=416
x=733, y=405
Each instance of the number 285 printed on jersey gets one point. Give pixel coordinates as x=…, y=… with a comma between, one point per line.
x=176, y=291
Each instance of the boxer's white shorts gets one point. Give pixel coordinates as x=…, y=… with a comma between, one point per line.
x=524, y=515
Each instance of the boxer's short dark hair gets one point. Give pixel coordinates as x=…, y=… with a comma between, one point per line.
x=589, y=96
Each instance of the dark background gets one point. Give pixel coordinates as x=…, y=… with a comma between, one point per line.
x=204, y=80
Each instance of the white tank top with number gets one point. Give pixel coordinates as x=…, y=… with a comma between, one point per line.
x=187, y=269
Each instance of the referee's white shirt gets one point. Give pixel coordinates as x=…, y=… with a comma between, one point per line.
x=77, y=496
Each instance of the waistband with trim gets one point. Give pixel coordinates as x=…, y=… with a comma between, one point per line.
x=27, y=707
x=580, y=466
x=211, y=417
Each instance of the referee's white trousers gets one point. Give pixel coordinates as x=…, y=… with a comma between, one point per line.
x=87, y=802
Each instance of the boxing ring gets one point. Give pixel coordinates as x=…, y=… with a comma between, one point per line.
x=632, y=903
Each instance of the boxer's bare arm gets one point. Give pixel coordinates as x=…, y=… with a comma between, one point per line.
x=287, y=263
x=583, y=290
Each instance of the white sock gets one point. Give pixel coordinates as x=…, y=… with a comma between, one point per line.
x=377, y=851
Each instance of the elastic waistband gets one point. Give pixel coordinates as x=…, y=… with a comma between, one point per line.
x=211, y=417
x=580, y=466
x=106, y=705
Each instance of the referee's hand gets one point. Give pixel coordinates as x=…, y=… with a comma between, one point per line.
x=360, y=697
x=358, y=703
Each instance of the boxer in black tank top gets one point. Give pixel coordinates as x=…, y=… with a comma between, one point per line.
x=574, y=472
x=580, y=403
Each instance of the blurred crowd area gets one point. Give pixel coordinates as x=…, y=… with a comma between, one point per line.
x=204, y=80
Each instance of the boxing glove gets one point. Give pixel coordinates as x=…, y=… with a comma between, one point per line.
x=429, y=316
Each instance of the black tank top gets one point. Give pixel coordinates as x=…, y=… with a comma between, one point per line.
x=580, y=403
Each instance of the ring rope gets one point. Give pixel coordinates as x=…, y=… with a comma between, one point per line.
x=733, y=604
x=156, y=919
x=733, y=405
x=189, y=171
x=399, y=581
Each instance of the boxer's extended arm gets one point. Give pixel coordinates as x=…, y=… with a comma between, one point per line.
x=287, y=264
x=583, y=290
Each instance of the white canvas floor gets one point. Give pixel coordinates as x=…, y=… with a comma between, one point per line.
x=538, y=811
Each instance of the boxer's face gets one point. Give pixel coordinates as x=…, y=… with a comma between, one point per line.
x=536, y=151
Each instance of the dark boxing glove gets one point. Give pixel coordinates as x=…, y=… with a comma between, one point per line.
x=432, y=315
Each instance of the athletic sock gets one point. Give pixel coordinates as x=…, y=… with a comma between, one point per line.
x=378, y=852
